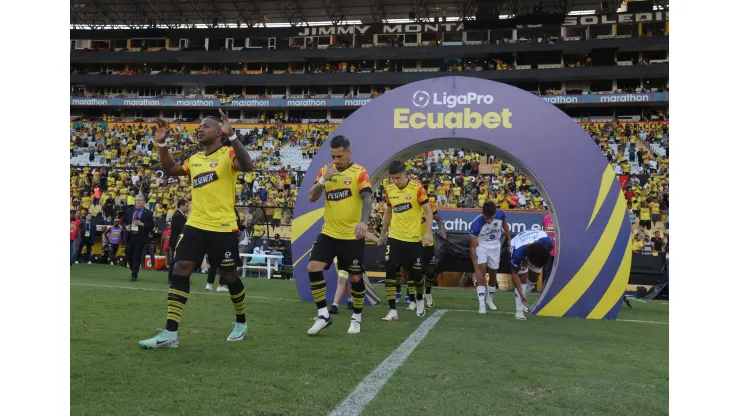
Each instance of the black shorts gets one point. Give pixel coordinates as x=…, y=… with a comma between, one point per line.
x=428, y=256
x=222, y=248
x=350, y=254
x=646, y=223
x=405, y=254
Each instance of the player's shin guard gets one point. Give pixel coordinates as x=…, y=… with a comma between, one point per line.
x=481, y=290
x=418, y=282
x=236, y=290
x=318, y=289
x=176, y=298
x=410, y=288
x=390, y=292
x=358, y=296
x=429, y=282
x=518, y=300
x=491, y=291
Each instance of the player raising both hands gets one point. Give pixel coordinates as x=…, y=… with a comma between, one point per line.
x=211, y=227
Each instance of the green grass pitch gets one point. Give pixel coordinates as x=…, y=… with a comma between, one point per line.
x=469, y=364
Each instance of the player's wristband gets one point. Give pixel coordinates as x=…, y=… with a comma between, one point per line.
x=232, y=137
x=322, y=181
x=162, y=144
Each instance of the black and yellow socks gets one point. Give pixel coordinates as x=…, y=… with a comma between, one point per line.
x=176, y=299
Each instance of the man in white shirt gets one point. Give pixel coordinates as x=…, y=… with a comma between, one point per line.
x=522, y=201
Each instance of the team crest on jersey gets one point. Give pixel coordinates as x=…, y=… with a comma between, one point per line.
x=401, y=208
x=214, y=163
x=338, y=194
x=204, y=179
x=408, y=197
x=347, y=181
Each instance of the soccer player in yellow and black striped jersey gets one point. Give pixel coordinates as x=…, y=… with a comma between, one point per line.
x=211, y=228
x=428, y=262
x=347, y=205
x=406, y=199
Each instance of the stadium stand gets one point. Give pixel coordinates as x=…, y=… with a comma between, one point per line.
x=327, y=72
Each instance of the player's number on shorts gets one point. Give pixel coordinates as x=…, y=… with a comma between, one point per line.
x=176, y=245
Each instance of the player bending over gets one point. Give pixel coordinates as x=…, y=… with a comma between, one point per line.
x=348, y=203
x=406, y=199
x=530, y=251
x=211, y=227
x=485, y=250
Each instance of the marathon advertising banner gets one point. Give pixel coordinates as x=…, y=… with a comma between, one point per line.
x=459, y=220
x=332, y=102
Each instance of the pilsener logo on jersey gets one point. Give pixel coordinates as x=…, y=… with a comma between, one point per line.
x=338, y=194
x=204, y=179
x=401, y=208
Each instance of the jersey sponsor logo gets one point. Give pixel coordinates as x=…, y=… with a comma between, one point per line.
x=338, y=194
x=401, y=208
x=204, y=179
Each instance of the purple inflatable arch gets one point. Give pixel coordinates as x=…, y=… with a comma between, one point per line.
x=590, y=214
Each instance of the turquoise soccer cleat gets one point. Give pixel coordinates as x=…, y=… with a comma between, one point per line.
x=164, y=339
x=237, y=334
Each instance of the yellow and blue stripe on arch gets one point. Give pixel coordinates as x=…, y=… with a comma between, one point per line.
x=596, y=290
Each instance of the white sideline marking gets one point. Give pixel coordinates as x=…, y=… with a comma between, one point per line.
x=371, y=385
x=298, y=300
x=167, y=290
x=512, y=313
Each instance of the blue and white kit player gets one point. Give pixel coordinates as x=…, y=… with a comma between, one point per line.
x=530, y=251
x=485, y=250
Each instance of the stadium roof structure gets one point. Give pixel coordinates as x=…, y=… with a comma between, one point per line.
x=182, y=14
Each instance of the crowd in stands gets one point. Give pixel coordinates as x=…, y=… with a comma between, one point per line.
x=454, y=178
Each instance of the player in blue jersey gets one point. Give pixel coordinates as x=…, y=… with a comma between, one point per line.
x=485, y=250
x=530, y=251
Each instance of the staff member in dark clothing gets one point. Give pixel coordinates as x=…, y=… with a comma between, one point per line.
x=87, y=238
x=178, y=221
x=150, y=250
x=138, y=222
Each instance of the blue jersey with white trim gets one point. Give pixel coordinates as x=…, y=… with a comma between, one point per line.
x=522, y=240
x=488, y=234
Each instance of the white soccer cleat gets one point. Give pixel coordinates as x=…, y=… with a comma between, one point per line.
x=482, y=308
x=430, y=301
x=354, y=327
x=520, y=316
x=491, y=304
x=320, y=323
x=111, y=263
x=222, y=288
x=420, y=309
x=392, y=316
x=412, y=306
x=209, y=286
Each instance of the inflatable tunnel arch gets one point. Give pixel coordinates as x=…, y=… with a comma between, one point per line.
x=590, y=214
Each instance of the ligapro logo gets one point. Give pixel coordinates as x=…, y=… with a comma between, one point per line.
x=422, y=98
